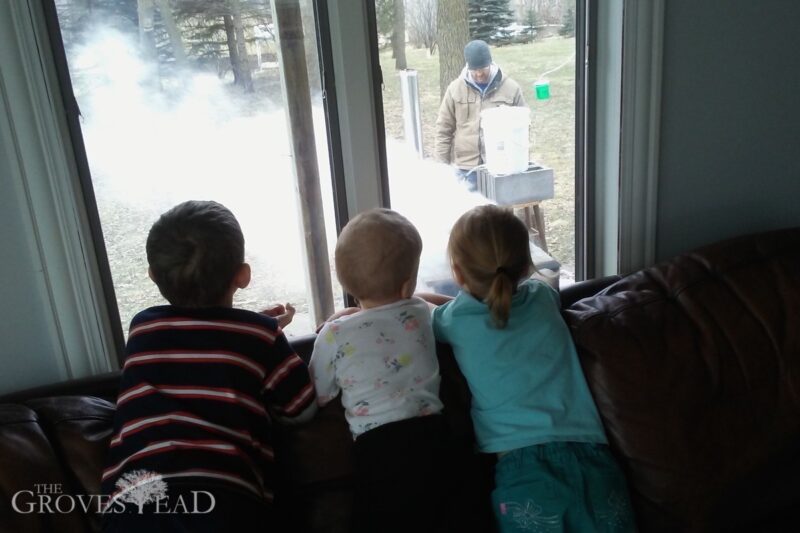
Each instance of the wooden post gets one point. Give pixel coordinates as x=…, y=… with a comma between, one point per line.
x=297, y=103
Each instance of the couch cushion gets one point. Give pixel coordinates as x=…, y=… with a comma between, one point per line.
x=695, y=367
x=27, y=463
x=79, y=428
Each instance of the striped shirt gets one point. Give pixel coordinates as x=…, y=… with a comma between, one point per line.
x=198, y=390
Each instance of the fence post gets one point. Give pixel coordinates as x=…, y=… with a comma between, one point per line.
x=409, y=88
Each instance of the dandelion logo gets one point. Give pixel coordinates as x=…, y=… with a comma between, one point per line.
x=140, y=487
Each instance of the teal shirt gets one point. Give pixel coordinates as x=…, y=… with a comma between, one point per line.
x=526, y=382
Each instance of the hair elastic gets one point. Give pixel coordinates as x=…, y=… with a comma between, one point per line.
x=502, y=270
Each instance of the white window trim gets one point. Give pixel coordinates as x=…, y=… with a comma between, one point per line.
x=642, y=51
x=608, y=109
x=355, y=95
x=46, y=165
x=628, y=101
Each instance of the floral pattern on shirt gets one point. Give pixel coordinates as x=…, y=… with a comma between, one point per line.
x=397, y=363
x=384, y=339
x=409, y=320
x=382, y=361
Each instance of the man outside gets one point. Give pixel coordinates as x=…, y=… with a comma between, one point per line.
x=481, y=85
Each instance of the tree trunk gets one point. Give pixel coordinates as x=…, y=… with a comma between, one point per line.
x=233, y=50
x=246, y=76
x=175, y=39
x=147, y=39
x=399, y=35
x=452, y=26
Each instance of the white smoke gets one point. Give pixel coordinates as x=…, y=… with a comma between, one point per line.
x=150, y=149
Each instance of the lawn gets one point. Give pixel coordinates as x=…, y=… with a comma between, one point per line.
x=553, y=120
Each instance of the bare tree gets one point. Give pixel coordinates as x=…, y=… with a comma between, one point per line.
x=140, y=487
x=399, y=36
x=421, y=23
x=546, y=11
x=452, y=23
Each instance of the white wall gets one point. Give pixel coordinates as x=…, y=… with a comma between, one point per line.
x=730, y=123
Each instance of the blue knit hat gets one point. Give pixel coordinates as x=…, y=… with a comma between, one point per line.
x=477, y=54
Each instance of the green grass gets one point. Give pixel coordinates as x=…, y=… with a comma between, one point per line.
x=553, y=120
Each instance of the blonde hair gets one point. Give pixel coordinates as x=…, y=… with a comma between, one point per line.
x=491, y=248
x=377, y=252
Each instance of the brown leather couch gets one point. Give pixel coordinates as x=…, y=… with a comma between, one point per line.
x=694, y=365
x=695, y=368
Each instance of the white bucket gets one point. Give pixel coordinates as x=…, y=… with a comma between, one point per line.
x=506, y=139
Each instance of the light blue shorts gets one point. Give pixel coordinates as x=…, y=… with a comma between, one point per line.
x=561, y=486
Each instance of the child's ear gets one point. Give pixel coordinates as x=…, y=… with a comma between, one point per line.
x=150, y=274
x=458, y=275
x=242, y=277
x=408, y=288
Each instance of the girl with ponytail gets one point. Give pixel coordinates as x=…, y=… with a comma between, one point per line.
x=530, y=402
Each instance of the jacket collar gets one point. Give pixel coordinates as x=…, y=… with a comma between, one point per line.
x=495, y=78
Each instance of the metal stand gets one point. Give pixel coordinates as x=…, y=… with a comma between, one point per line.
x=522, y=191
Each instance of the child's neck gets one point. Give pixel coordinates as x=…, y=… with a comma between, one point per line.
x=378, y=302
x=228, y=300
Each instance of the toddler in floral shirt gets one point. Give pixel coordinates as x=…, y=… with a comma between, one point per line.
x=382, y=359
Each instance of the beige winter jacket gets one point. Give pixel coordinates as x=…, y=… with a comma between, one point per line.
x=458, y=125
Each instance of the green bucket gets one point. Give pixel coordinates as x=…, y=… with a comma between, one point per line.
x=542, y=90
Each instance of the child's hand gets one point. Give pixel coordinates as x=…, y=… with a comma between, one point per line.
x=283, y=314
x=339, y=314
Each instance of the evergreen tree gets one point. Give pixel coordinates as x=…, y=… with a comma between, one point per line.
x=488, y=20
x=217, y=33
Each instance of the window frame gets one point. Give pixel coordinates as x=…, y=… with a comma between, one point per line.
x=63, y=212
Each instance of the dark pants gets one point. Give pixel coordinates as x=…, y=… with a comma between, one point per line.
x=231, y=512
x=403, y=477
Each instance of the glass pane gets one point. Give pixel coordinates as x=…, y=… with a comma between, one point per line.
x=180, y=100
x=531, y=45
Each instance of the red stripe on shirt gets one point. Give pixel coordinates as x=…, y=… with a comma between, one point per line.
x=291, y=361
x=196, y=356
x=182, y=323
x=181, y=417
x=204, y=393
x=298, y=401
x=159, y=447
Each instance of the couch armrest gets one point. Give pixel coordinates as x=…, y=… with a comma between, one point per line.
x=585, y=289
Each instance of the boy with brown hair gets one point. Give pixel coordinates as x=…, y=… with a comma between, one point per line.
x=201, y=383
